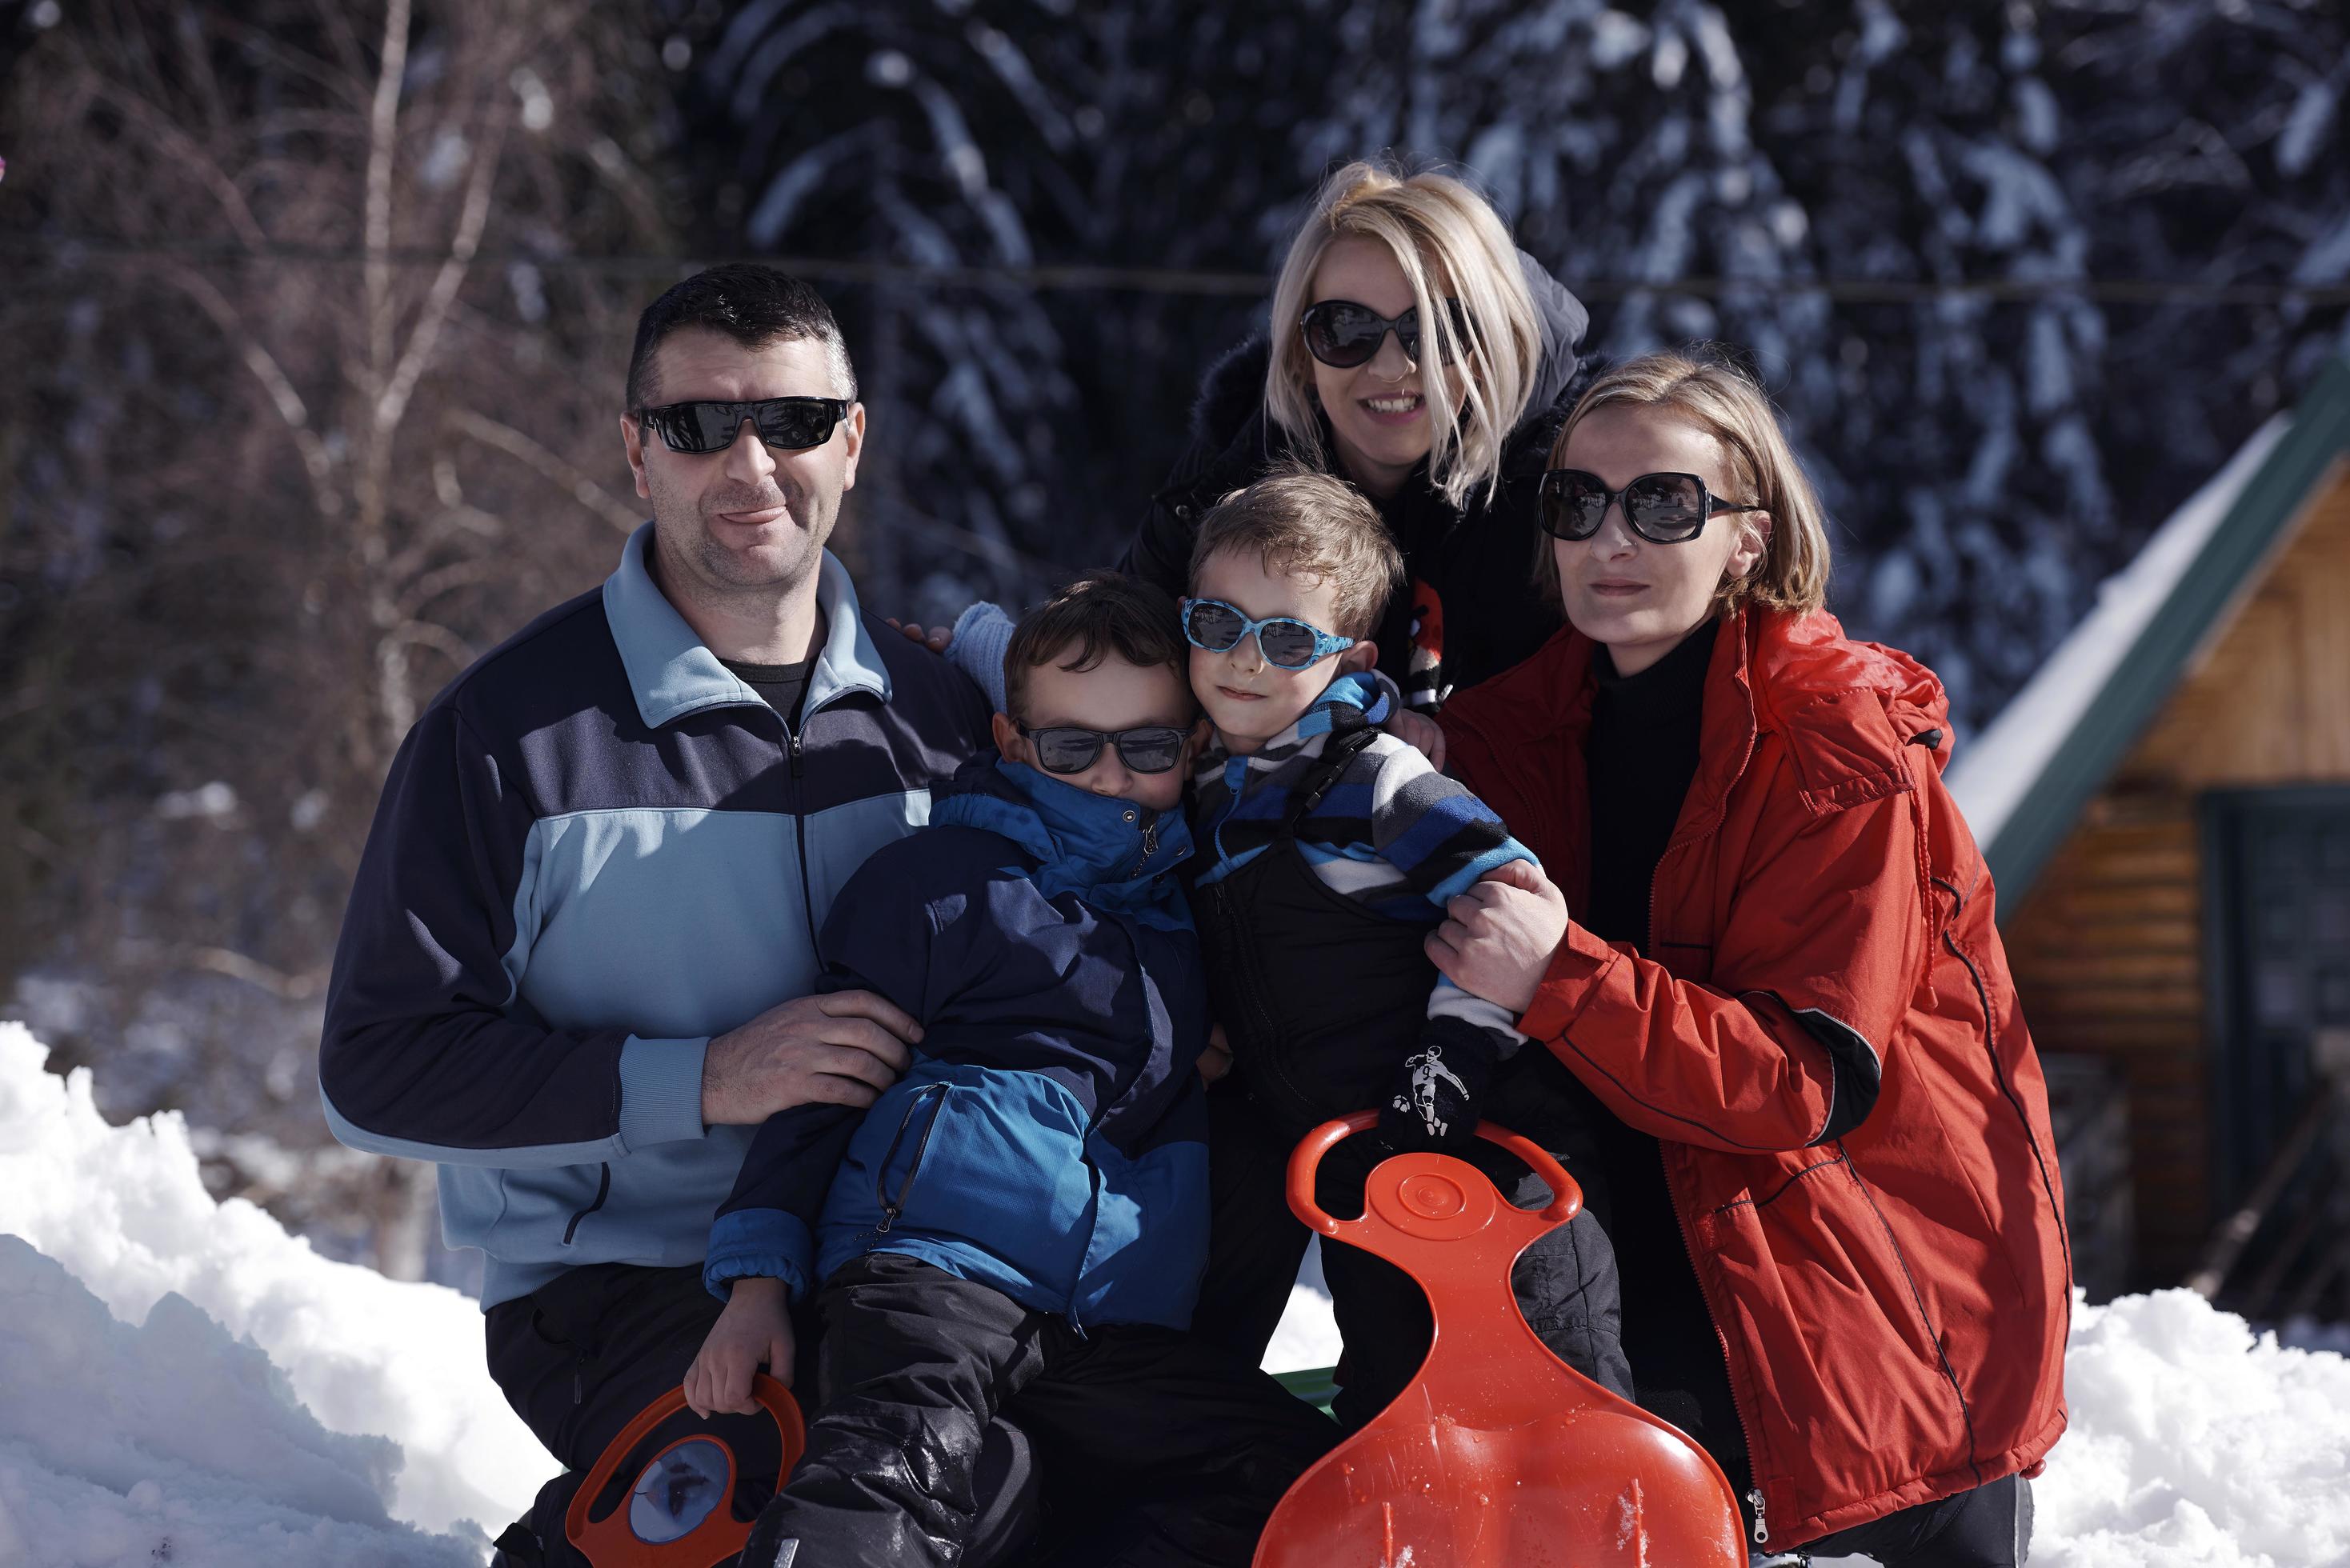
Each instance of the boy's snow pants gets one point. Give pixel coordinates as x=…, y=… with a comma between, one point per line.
x=1186, y=1450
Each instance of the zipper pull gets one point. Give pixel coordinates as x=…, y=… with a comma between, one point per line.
x=1762, y=1528
x=1151, y=838
x=889, y=1217
x=792, y=737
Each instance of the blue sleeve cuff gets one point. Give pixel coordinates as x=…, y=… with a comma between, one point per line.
x=660, y=1090
x=770, y=1243
x=1471, y=872
x=981, y=633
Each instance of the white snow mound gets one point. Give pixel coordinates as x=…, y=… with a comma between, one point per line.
x=351, y=1357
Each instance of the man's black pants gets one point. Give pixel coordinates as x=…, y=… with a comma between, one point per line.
x=578, y=1358
x=1188, y=1448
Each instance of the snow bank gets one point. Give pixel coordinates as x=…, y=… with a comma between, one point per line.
x=274, y=1407
x=124, y=1212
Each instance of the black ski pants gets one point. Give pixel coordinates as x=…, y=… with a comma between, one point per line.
x=1566, y=1283
x=1990, y=1527
x=579, y=1357
x=1190, y=1449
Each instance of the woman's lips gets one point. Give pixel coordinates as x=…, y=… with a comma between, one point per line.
x=1392, y=409
x=1618, y=590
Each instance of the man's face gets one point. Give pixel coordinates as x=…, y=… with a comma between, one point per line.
x=749, y=520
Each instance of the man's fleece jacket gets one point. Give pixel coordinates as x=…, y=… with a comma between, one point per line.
x=597, y=849
x=1049, y=1139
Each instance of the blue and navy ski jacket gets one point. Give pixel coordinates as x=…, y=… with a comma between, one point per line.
x=597, y=849
x=1049, y=1138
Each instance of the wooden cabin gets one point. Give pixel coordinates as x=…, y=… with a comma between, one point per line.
x=2166, y=809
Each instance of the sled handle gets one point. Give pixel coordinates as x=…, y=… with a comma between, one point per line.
x=1306, y=1161
x=610, y=1543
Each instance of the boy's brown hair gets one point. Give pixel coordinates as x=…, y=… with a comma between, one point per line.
x=1303, y=522
x=1086, y=620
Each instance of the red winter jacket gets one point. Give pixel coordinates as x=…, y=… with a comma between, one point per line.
x=1855, y=1127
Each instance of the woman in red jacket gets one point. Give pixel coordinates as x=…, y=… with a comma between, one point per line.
x=1836, y=1200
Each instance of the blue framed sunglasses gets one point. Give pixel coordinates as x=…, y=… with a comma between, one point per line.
x=1286, y=643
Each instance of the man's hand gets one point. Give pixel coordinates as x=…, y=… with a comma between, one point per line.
x=1421, y=732
x=1217, y=1059
x=1497, y=938
x=936, y=638
x=839, y=1050
x=755, y=1328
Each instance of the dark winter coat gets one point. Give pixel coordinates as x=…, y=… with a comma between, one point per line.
x=1854, y=1125
x=1049, y=1138
x=1470, y=571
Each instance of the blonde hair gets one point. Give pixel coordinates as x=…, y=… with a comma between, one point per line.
x=1300, y=522
x=1436, y=227
x=1707, y=393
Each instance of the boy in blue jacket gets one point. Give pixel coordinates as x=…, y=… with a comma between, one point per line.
x=1020, y=1224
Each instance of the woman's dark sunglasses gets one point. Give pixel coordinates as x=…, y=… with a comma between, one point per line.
x=1066, y=749
x=793, y=424
x=1662, y=508
x=1343, y=335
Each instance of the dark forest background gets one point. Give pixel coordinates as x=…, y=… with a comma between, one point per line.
x=315, y=315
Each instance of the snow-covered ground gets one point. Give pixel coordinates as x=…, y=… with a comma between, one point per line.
x=182, y=1382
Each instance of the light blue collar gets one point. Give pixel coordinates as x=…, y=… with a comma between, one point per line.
x=672, y=671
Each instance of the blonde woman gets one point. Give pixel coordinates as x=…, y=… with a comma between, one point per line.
x=1765, y=943
x=1415, y=351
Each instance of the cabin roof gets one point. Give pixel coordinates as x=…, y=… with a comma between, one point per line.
x=2024, y=780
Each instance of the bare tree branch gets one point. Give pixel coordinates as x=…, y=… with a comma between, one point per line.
x=514, y=443
x=393, y=400
x=316, y=462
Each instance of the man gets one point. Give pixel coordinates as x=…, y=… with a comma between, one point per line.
x=579, y=963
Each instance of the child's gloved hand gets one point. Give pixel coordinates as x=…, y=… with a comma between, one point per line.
x=755, y=1327
x=1434, y=1105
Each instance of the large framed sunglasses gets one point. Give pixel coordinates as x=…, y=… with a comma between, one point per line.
x=793, y=424
x=1066, y=749
x=1286, y=642
x=1662, y=508
x=1343, y=335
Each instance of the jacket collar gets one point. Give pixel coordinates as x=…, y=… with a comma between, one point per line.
x=672, y=672
x=1349, y=703
x=1109, y=852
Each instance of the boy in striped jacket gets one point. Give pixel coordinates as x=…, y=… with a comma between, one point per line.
x=1330, y=850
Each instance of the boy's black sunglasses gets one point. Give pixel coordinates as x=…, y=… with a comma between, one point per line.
x=1343, y=335
x=1662, y=508
x=1066, y=749
x=795, y=424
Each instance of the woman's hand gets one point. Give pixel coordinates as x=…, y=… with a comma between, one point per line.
x=936, y=638
x=1419, y=732
x=754, y=1328
x=1497, y=937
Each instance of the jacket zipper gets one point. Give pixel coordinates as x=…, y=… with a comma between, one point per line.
x=603, y=1191
x=1688, y=1245
x=891, y=1207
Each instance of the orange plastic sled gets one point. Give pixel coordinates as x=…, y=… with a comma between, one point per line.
x=681, y=1508
x=1497, y=1453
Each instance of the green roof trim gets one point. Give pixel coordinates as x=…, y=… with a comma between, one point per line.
x=2143, y=681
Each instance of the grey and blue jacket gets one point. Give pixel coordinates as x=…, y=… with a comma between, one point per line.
x=597, y=849
x=1049, y=1138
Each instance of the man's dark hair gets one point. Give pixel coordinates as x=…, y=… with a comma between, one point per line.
x=1089, y=620
x=754, y=305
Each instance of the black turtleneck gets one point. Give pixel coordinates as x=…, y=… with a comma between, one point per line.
x=1639, y=761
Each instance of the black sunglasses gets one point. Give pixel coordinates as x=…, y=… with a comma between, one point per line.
x=1662, y=508
x=1066, y=749
x=1343, y=335
x=793, y=424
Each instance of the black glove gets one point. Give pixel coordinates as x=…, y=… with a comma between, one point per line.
x=1435, y=1101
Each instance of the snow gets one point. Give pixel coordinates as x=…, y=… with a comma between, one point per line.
x=250, y=1347
x=1994, y=772
x=186, y=1383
